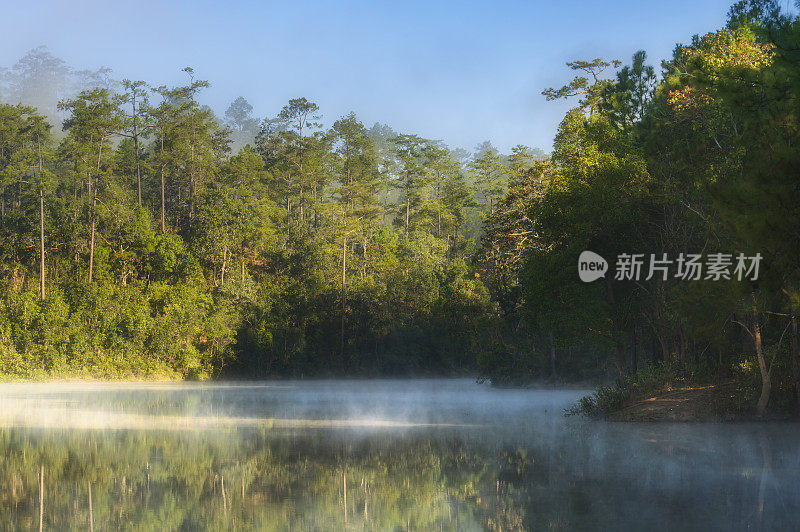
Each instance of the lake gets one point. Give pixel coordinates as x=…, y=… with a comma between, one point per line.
x=375, y=455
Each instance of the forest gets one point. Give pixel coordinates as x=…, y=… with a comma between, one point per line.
x=143, y=236
x=137, y=243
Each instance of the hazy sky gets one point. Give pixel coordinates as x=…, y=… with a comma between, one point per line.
x=460, y=71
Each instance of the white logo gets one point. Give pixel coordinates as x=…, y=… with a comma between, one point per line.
x=591, y=266
x=687, y=267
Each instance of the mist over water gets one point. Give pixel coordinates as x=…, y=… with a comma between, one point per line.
x=383, y=455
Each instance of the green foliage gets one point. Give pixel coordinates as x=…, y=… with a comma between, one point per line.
x=112, y=331
x=139, y=245
x=703, y=160
x=158, y=254
x=606, y=400
x=591, y=89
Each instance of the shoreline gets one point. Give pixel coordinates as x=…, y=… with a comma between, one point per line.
x=691, y=404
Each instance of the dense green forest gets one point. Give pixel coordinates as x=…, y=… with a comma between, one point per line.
x=702, y=159
x=136, y=243
x=144, y=236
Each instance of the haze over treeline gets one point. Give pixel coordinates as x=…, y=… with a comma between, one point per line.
x=143, y=234
x=41, y=79
x=341, y=240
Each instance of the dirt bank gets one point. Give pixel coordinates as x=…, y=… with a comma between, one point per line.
x=698, y=403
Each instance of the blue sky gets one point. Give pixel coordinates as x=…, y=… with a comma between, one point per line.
x=462, y=72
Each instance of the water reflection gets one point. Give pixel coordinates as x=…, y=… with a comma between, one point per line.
x=377, y=455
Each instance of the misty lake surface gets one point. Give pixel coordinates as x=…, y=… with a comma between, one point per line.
x=375, y=455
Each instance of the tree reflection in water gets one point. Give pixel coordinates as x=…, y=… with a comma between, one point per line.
x=511, y=469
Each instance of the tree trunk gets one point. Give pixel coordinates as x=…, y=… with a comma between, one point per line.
x=795, y=360
x=136, y=151
x=300, y=174
x=89, y=179
x=344, y=289
x=41, y=226
x=224, y=261
x=163, y=206
x=552, y=356
x=91, y=239
x=192, y=186
x=621, y=362
x=408, y=207
x=288, y=219
x=766, y=384
x=364, y=264
x=94, y=213
x=138, y=173
x=301, y=203
x=41, y=242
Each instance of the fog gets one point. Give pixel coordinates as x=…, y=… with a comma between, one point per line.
x=341, y=403
x=448, y=454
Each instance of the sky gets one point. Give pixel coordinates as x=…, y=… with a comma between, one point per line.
x=459, y=71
